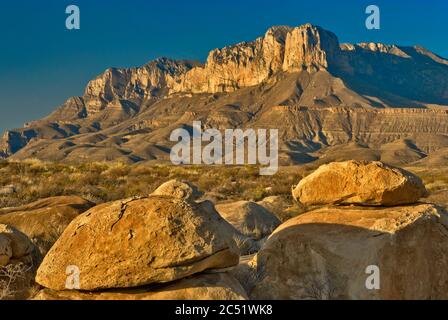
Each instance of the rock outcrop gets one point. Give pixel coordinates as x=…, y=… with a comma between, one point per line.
x=282, y=49
x=329, y=254
x=219, y=286
x=376, y=248
x=134, y=85
x=249, y=218
x=5, y=250
x=138, y=242
x=295, y=79
x=15, y=247
x=186, y=191
x=44, y=221
x=359, y=183
x=278, y=205
x=178, y=189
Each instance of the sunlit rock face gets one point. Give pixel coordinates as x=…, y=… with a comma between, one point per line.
x=247, y=64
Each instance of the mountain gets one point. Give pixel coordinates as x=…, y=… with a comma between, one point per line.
x=328, y=100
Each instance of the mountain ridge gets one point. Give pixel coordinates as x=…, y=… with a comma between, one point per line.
x=126, y=113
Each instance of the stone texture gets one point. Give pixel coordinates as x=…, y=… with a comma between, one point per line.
x=245, y=244
x=360, y=183
x=219, y=286
x=249, y=218
x=5, y=250
x=134, y=84
x=324, y=254
x=179, y=189
x=137, y=242
x=14, y=246
x=43, y=221
x=246, y=272
x=247, y=64
x=276, y=204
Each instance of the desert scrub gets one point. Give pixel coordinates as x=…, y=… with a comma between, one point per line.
x=102, y=182
x=16, y=281
x=435, y=179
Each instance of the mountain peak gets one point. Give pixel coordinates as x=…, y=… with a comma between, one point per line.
x=430, y=55
x=285, y=71
x=376, y=47
x=282, y=49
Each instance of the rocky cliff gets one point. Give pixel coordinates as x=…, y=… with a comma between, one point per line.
x=282, y=49
x=128, y=114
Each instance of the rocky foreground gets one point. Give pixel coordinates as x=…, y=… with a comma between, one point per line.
x=360, y=216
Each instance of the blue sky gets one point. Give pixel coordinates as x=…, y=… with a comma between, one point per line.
x=42, y=63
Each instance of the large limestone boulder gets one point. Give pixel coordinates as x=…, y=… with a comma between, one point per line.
x=249, y=218
x=44, y=221
x=14, y=246
x=137, y=242
x=359, y=183
x=283, y=207
x=246, y=272
x=219, y=286
x=184, y=190
x=275, y=204
x=179, y=189
x=245, y=244
x=348, y=253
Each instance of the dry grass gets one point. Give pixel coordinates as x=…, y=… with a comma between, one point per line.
x=103, y=182
x=436, y=181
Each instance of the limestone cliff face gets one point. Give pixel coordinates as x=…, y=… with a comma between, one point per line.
x=309, y=48
x=282, y=48
x=128, y=112
x=135, y=84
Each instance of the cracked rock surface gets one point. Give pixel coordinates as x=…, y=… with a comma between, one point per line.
x=137, y=242
x=359, y=183
x=325, y=254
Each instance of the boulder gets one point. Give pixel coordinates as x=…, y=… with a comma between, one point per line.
x=5, y=250
x=246, y=272
x=245, y=244
x=219, y=286
x=139, y=241
x=275, y=204
x=249, y=218
x=359, y=183
x=14, y=246
x=44, y=221
x=351, y=253
x=178, y=189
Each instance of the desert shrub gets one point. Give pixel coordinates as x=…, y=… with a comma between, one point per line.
x=16, y=281
x=101, y=181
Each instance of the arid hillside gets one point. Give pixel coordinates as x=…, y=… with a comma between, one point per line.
x=387, y=101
